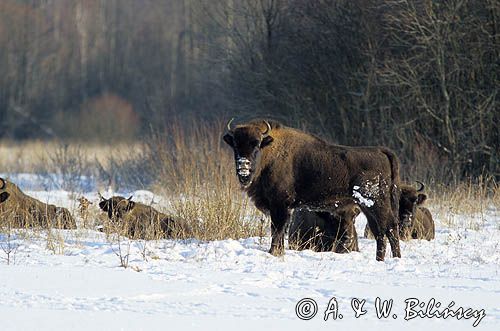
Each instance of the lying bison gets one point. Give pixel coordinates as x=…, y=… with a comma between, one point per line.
x=24, y=211
x=415, y=221
x=282, y=168
x=141, y=221
x=324, y=231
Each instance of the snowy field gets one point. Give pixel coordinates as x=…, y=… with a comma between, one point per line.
x=229, y=284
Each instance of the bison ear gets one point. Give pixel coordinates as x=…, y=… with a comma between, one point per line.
x=228, y=138
x=421, y=198
x=266, y=141
x=4, y=196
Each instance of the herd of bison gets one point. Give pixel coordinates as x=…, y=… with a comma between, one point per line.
x=283, y=170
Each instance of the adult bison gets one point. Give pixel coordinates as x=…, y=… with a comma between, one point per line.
x=415, y=221
x=141, y=221
x=25, y=211
x=282, y=168
x=325, y=231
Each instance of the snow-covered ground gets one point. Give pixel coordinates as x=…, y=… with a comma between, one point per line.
x=236, y=284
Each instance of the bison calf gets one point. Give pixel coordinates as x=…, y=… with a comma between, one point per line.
x=415, y=221
x=324, y=231
x=141, y=221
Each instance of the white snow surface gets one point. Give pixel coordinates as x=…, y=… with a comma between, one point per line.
x=236, y=284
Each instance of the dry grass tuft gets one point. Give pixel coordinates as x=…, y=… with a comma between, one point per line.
x=470, y=198
x=197, y=172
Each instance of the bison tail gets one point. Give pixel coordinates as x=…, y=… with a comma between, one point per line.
x=394, y=161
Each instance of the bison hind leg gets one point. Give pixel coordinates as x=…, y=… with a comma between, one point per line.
x=378, y=231
x=393, y=236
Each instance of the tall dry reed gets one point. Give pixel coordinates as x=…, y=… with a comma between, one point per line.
x=196, y=170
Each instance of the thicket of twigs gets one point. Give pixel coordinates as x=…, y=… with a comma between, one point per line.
x=418, y=76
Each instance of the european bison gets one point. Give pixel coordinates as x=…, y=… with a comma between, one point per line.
x=415, y=221
x=142, y=221
x=282, y=168
x=25, y=211
x=324, y=231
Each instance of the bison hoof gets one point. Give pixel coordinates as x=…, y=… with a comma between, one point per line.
x=275, y=251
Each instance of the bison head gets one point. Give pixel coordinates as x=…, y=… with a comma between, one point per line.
x=409, y=200
x=123, y=207
x=247, y=142
x=116, y=206
x=347, y=213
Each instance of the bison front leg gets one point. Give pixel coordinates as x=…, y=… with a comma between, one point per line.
x=279, y=219
x=381, y=247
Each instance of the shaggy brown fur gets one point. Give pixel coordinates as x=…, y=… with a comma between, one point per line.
x=143, y=221
x=283, y=168
x=415, y=221
x=25, y=211
x=323, y=231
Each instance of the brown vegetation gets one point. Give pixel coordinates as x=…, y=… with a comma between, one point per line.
x=192, y=169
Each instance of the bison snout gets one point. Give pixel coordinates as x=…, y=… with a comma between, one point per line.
x=243, y=166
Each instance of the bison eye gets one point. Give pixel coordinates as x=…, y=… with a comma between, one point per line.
x=254, y=142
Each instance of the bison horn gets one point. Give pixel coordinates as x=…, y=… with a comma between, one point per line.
x=268, y=128
x=229, y=124
x=422, y=186
x=100, y=196
x=2, y=183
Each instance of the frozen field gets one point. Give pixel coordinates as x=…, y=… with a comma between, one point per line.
x=237, y=285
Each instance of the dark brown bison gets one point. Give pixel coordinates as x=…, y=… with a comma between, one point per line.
x=325, y=231
x=142, y=221
x=25, y=211
x=282, y=168
x=415, y=221
x=110, y=205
